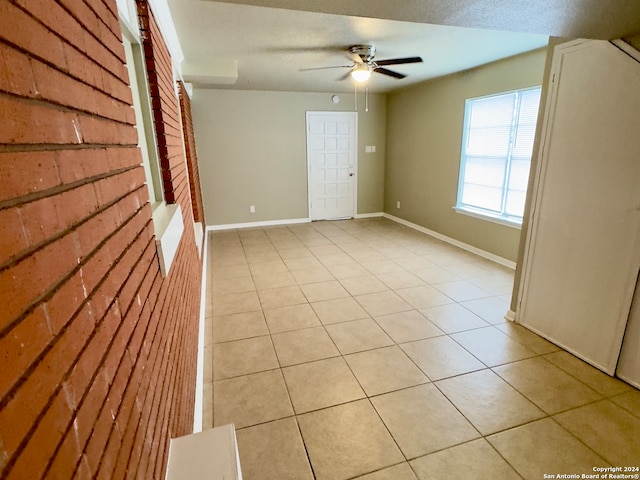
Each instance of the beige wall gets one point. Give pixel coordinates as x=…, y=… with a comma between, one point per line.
x=424, y=135
x=252, y=151
x=633, y=40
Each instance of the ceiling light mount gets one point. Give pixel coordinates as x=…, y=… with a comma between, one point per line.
x=365, y=52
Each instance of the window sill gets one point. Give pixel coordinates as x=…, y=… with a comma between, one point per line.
x=168, y=226
x=489, y=218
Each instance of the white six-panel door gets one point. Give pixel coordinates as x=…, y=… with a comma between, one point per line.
x=331, y=162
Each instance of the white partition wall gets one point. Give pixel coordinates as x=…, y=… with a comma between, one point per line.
x=583, y=248
x=629, y=362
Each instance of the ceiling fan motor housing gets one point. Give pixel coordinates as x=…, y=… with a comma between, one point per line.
x=365, y=52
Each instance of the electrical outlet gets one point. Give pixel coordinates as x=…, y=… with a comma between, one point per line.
x=252, y=209
x=398, y=204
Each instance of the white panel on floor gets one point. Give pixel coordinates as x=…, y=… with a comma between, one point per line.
x=583, y=247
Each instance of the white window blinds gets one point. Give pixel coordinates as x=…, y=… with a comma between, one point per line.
x=496, y=153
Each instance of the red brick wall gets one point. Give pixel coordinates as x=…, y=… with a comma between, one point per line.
x=165, y=106
x=190, y=151
x=97, y=350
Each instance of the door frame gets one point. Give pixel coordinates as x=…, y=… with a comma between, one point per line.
x=353, y=115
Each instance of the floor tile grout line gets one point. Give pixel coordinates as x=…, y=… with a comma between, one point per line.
x=511, y=338
x=637, y=415
x=325, y=324
x=304, y=445
x=482, y=435
x=571, y=374
x=553, y=419
x=434, y=381
x=503, y=458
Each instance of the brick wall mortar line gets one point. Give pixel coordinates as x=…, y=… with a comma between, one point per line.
x=94, y=376
x=135, y=363
x=56, y=147
x=148, y=362
x=16, y=259
x=150, y=357
x=152, y=426
x=44, y=296
x=61, y=70
x=57, y=190
x=65, y=40
x=124, y=353
x=61, y=107
x=100, y=19
x=10, y=463
x=11, y=392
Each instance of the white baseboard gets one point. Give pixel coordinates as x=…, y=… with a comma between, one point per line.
x=199, y=400
x=271, y=223
x=465, y=246
x=510, y=315
x=267, y=223
x=369, y=215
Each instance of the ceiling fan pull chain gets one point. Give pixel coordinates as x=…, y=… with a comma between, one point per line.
x=366, y=97
x=355, y=96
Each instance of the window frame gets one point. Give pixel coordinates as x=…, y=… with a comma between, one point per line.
x=478, y=212
x=167, y=219
x=144, y=115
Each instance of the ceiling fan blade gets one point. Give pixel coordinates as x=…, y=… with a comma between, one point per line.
x=324, y=68
x=399, y=61
x=345, y=76
x=290, y=49
x=389, y=73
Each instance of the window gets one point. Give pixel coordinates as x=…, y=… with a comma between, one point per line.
x=496, y=154
x=167, y=218
x=142, y=110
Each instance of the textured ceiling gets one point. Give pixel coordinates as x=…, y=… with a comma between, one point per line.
x=266, y=48
x=603, y=19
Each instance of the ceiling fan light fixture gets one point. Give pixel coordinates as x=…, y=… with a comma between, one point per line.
x=361, y=73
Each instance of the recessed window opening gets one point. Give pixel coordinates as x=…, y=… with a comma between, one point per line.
x=144, y=123
x=497, y=143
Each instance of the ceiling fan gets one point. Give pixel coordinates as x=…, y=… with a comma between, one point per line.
x=364, y=64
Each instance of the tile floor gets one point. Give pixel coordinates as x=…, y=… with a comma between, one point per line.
x=363, y=349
